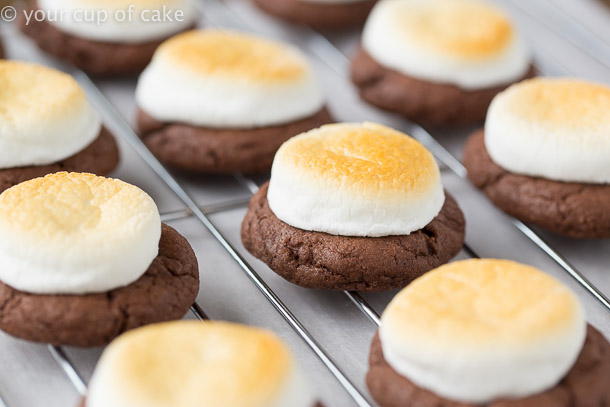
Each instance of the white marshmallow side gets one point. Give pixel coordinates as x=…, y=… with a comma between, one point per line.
x=540, y=149
x=323, y=207
x=113, y=23
x=170, y=93
x=92, y=265
x=478, y=374
x=386, y=42
x=104, y=391
x=34, y=139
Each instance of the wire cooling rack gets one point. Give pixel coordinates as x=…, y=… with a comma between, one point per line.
x=330, y=332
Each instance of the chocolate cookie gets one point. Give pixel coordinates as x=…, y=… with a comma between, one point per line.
x=320, y=260
x=423, y=102
x=94, y=57
x=100, y=157
x=321, y=16
x=567, y=208
x=165, y=292
x=586, y=384
x=203, y=149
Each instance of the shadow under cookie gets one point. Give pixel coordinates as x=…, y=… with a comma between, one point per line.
x=164, y=292
x=584, y=385
x=319, y=15
x=567, y=208
x=97, y=58
x=324, y=261
x=100, y=158
x=214, y=150
x=426, y=103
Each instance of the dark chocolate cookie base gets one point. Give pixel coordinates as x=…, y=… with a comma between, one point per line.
x=96, y=58
x=567, y=208
x=101, y=157
x=165, y=292
x=585, y=385
x=210, y=150
x=325, y=261
x=320, y=16
x=426, y=103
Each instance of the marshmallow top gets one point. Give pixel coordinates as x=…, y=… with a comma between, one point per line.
x=554, y=128
x=228, y=80
x=73, y=233
x=479, y=330
x=468, y=43
x=44, y=115
x=333, y=1
x=185, y=364
x=355, y=179
x=120, y=21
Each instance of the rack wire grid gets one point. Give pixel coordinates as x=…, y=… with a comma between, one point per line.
x=330, y=332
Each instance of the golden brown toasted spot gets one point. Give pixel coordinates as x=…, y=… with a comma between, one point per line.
x=234, y=56
x=463, y=28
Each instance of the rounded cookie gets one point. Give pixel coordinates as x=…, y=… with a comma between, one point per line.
x=319, y=15
x=424, y=102
x=217, y=150
x=101, y=157
x=165, y=291
x=584, y=385
x=567, y=208
x=94, y=57
x=321, y=260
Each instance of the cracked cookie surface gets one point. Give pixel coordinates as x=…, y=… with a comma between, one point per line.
x=585, y=385
x=164, y=292
x=100, y=158
x=424, y=102
x=212, y=150
x=567, y=208
x=324, y=261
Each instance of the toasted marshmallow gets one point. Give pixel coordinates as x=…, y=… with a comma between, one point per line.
x=479, y=330
x=228, y=80
x=355, y=179
x=74, y=233
x=44, y=116
x=333, y=1
x=120, y=21
x=185, y=364
x=468, y=43
x=554, y=128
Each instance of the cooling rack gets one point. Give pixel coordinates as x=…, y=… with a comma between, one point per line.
x=329, y=331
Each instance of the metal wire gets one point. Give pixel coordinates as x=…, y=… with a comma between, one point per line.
x=601, y=55
x=69, y=369
x=208, y=210
x=199, y=313
x=558, y=6
x=3, y=402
